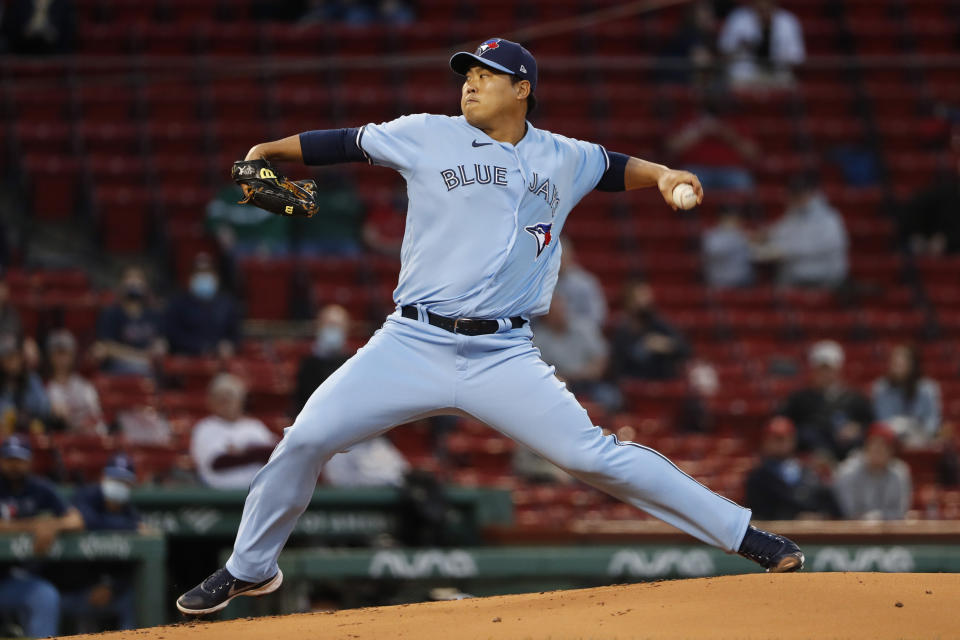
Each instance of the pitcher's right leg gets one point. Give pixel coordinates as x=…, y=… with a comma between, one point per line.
x=404, y=372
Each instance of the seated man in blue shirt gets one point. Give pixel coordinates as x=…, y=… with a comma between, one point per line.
x=203, y=320
x=29, y=504
x=106, y=507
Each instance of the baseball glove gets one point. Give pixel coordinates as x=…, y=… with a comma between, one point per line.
x=270, y=190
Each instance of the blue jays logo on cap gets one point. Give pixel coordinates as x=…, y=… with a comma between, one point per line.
x=492, y=43
x=501, y=55
x=540, y=231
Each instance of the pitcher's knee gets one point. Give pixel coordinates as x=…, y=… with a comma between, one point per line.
x=310, y=440
x=582, y=462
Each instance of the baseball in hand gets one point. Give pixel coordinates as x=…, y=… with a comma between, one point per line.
x=684, y=197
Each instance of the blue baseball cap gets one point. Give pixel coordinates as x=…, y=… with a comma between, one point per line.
x=16, y=447
x=120, y=467
x=502, y=55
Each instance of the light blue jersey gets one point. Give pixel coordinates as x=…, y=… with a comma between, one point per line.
x=484, y=216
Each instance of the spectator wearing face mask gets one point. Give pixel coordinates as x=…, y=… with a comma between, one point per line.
x=129, y=332
x=328, y=353
x=203, y=320
x=107, y=593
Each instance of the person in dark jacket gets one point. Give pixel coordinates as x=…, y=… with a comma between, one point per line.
x=130, y=332
x=782, y=487
x=644, y=345
x=329, y=351
x=830, y=416
x=203, y=320
x=109, y=593
x=30, y=504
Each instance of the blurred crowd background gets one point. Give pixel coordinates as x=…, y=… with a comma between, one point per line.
x=792, y=343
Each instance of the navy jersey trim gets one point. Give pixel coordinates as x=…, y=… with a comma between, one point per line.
x=615, y=177
x=329, y=146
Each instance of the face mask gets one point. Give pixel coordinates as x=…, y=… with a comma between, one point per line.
x=134, y=292
x=115, y=491
x=204, y=285
x=329, y=340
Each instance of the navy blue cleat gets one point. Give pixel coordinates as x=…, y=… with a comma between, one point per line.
x=774, y=553
x=219, y=589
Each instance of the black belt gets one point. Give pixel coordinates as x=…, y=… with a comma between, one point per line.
x=466, y=326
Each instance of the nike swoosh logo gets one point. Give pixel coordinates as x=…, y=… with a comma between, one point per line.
x=480, y=144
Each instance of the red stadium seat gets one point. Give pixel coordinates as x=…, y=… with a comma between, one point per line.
x=43, y=138
x=43, y=171
x=117, y=138
x=124, y=217
x=267, y=287
x=220, y=38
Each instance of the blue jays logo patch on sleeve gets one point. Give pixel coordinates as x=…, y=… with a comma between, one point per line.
x=540, y=231
x=486, y=46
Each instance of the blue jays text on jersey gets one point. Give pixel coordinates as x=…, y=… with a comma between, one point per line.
x=472, y=246
x=482, y=174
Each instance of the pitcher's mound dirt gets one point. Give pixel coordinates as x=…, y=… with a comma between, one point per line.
x=805, y=605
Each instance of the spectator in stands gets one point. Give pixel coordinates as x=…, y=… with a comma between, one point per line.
x=227, y=447
x=29, y=504
x=644, y=345
x=242, y=230
x=781, y=486
x=580, y=289
x=809, y=242
x=873, y=484
x=24, y=405
x=129, y=333
x=710, y=146
x=929, y=223
x=695, y=43
x=38, y=26
x=203, y=320
x=728, y=252
x=830, y=416
x=328, y=353
x=106, y=507
x=762, y=43
x=907, y=401
x=371, y=463
x=577, y=349
x=73, y=400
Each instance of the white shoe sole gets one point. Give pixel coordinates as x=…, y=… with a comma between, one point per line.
x=270, y=587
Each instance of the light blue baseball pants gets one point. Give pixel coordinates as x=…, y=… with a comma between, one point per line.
x=410, y=369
